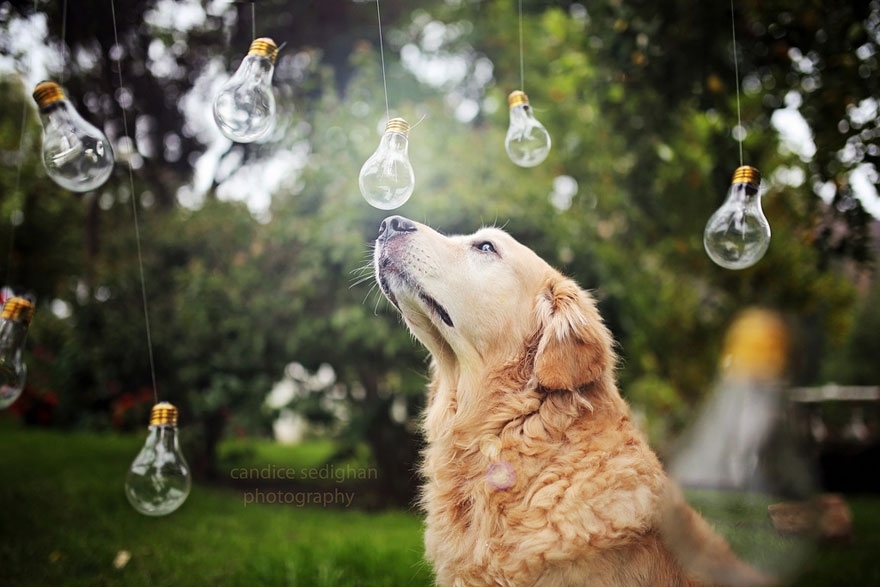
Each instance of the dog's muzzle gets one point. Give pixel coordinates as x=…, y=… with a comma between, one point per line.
x=392, y=230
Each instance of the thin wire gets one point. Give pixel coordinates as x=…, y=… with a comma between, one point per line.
x=253, y=20
x=18, y=168
x=522, y=75
x=382, y=56
x=739, y=128
x=420, y=121
x=137, y=231
x=63, y=41
x=15, y=190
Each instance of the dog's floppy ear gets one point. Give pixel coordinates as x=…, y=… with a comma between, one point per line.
x=574, y=345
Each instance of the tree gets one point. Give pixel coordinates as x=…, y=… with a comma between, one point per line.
x=639, y=98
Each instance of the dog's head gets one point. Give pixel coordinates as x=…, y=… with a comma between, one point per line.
x=475, y=301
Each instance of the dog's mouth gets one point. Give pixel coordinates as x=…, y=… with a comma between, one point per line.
x=393, y=276
x=436, y=308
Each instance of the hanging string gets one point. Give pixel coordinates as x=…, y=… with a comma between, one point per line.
x=15, y=217
x=739, y=127
x=382, y=57
x=137, y=231
x=253, y=20
x=63, y=43
x=522, y=75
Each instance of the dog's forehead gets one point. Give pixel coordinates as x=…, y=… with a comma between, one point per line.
x=489, y=233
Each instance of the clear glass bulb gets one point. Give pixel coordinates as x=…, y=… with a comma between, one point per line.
x=740, y=464
x=159, y=479
x=737, y=234
x=77, y=156
x=386, y=178
x=244, y=108
x=527, y=142
x=14, y=322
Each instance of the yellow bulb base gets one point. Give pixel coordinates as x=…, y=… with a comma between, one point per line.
x=756, y=345
x=163, y=414
x=18, y=309
x=264, y=47
x=517, y=98
x=397, y=125
x=747, y=175
x=47, y=93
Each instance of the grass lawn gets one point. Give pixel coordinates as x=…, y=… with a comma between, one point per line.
x=65, y=520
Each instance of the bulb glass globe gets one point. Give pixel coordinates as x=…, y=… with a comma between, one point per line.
x=244, y=108
x=527, y=142
x=14, y=322
x=741, y=463
x=737, y=235
x=387, y=179
x=159, y=479
x=77, y=156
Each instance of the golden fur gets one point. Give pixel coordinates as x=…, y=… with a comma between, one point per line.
x=523, y=374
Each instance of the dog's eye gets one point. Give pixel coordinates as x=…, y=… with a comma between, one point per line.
x=486, y=247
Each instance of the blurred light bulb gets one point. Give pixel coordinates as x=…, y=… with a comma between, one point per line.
x=244, y=108
x=77, y=156
x=738, y=234
x=14, y=322
x=386, y=178
x=527, y=141
x=158, y=480
x=740, y=464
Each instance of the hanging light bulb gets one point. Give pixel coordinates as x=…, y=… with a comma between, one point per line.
x=738, y=234
x=244, y=108
x=527, y=142
x=740, y=464
x=14, y=322
x=77, y=156
x=386, y=178
x=158, y=480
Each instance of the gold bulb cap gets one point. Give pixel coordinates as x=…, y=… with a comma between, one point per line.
x=756, y=345
x=264, y=47
x=517, y=98
x=163, y=414
x=397, y=125
x=748, y=175
x=47, y=93
x=18, y=309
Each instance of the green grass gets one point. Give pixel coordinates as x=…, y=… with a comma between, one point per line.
x=743, y=520
x=65, y=519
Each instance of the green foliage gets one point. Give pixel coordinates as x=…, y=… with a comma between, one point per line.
x=639, y=99
x=855, y=363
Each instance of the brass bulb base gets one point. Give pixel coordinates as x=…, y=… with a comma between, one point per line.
x=747, y=175
x=47, y=93
x=397, y=125
x=163, y=414
x=756, y=345
x=264, y=47
x=18, y=309
x=517, y=98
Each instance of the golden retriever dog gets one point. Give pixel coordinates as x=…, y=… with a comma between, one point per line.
x=535, y=474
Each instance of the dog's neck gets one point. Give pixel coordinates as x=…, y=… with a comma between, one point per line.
x=467, y=403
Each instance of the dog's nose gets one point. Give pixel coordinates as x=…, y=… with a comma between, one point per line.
x=395, y=226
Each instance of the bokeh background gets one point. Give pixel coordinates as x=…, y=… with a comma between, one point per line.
x=267, y=331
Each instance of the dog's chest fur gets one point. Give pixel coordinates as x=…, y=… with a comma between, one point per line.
x=475, y=531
